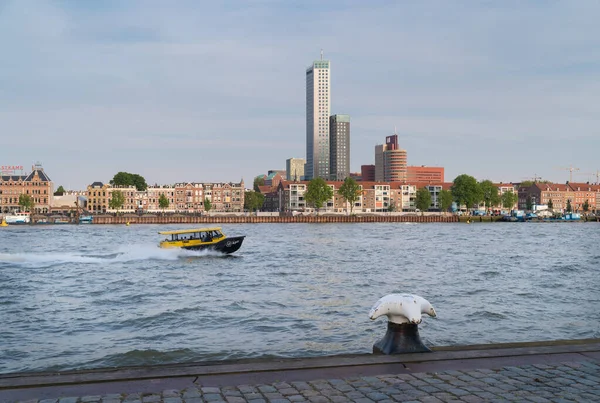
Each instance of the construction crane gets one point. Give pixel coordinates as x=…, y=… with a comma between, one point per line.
x=535, y=178
x=596, y=174
x=570, y=169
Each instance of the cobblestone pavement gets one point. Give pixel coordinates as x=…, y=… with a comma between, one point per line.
x=564, y=382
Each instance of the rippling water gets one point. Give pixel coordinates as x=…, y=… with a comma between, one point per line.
x=96, y=296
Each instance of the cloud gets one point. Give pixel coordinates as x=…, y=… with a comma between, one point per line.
x=499, y=89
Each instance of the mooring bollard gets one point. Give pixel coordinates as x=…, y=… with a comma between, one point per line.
x=404, y=315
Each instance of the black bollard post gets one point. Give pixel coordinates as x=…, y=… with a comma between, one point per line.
x=404, y=315
x=400, y=339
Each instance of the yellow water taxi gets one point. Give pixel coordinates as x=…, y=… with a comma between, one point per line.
x=3, y=223
x=201, y=238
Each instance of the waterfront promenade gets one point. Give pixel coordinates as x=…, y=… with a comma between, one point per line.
x=560, y=371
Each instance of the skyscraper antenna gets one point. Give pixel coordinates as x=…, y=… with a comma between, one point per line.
x=395, y=132
x=321, y=54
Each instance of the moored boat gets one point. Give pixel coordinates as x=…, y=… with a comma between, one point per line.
x=201, y=238
x=18, y=218
x=86, y=219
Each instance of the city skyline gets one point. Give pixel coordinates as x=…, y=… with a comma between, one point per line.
x=214, y=92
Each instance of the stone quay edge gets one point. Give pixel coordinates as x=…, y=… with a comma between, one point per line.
x=563, y=370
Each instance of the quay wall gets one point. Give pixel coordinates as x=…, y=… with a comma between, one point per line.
x=270, y=219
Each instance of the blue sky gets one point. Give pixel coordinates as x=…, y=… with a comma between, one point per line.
x=215, y=91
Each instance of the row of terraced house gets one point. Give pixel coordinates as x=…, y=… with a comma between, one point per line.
x=280, y=196
x=374, y=196
x=182, y=198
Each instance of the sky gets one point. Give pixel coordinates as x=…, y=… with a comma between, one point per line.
x=182, y=91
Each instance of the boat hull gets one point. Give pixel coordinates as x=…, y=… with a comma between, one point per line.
x=227, y=245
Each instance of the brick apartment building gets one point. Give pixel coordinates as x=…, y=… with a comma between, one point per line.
x=36, y=184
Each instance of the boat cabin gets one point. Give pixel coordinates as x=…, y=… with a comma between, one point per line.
x=199, y=234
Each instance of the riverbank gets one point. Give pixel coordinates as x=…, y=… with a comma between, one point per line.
x=565, y=370
x=250, y=219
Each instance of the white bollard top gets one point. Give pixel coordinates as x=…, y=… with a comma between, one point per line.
x=402, y=308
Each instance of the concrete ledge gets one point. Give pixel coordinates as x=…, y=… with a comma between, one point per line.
x=476, y=356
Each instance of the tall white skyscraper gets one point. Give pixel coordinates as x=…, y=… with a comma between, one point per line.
x=318, y=105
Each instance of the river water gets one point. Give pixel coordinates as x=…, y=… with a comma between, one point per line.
x=94, y=296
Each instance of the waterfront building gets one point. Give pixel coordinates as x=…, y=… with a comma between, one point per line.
x=223, y=197
x=36, y=184
x=434, y=190
x=294, y=168
x=424, y=174
x=148, y=201
x=318, y=79
x=190, y=196
x=583, y=192
x=100, y=194
x=69, y=203
x=339, y=147
x=390, y=161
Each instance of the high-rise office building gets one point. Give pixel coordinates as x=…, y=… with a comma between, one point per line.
x=294, y=168
x=339, y=147
x=318, y=79
x=390, y=161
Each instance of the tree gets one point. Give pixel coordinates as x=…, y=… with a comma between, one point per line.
x=529, y=203
x=569, y=208
x=526, y=184
x=163, y=202
x=317, y=193
x=350, y=191
x=509, y=199
x=207, y=205
x=466, y=190
x=253, y=200
x=139, y=182
x=128, y=179
x=26, y=202
x=550, y=204
x=60, y=191
x=423, y=199
x=586, y=206
x=445, y=200
x=117, y=200
x=490, y=194
x=258, y=181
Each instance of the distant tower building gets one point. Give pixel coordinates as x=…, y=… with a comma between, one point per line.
x=367, y=173
x=294, y=168
x=339, y=146
x=318, y=80
x=390, y=161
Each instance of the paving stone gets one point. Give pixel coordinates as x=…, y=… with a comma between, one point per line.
x=301, y=385
x=235, y=399
x=247, y=389
x=112, y=396
x=48, y=401
x=296, y=398
x=210, y=390
x=267, y=389
x=213, y=397
x=151, y=398
x=171, y=393
x=172, y=400
x=68, y=400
